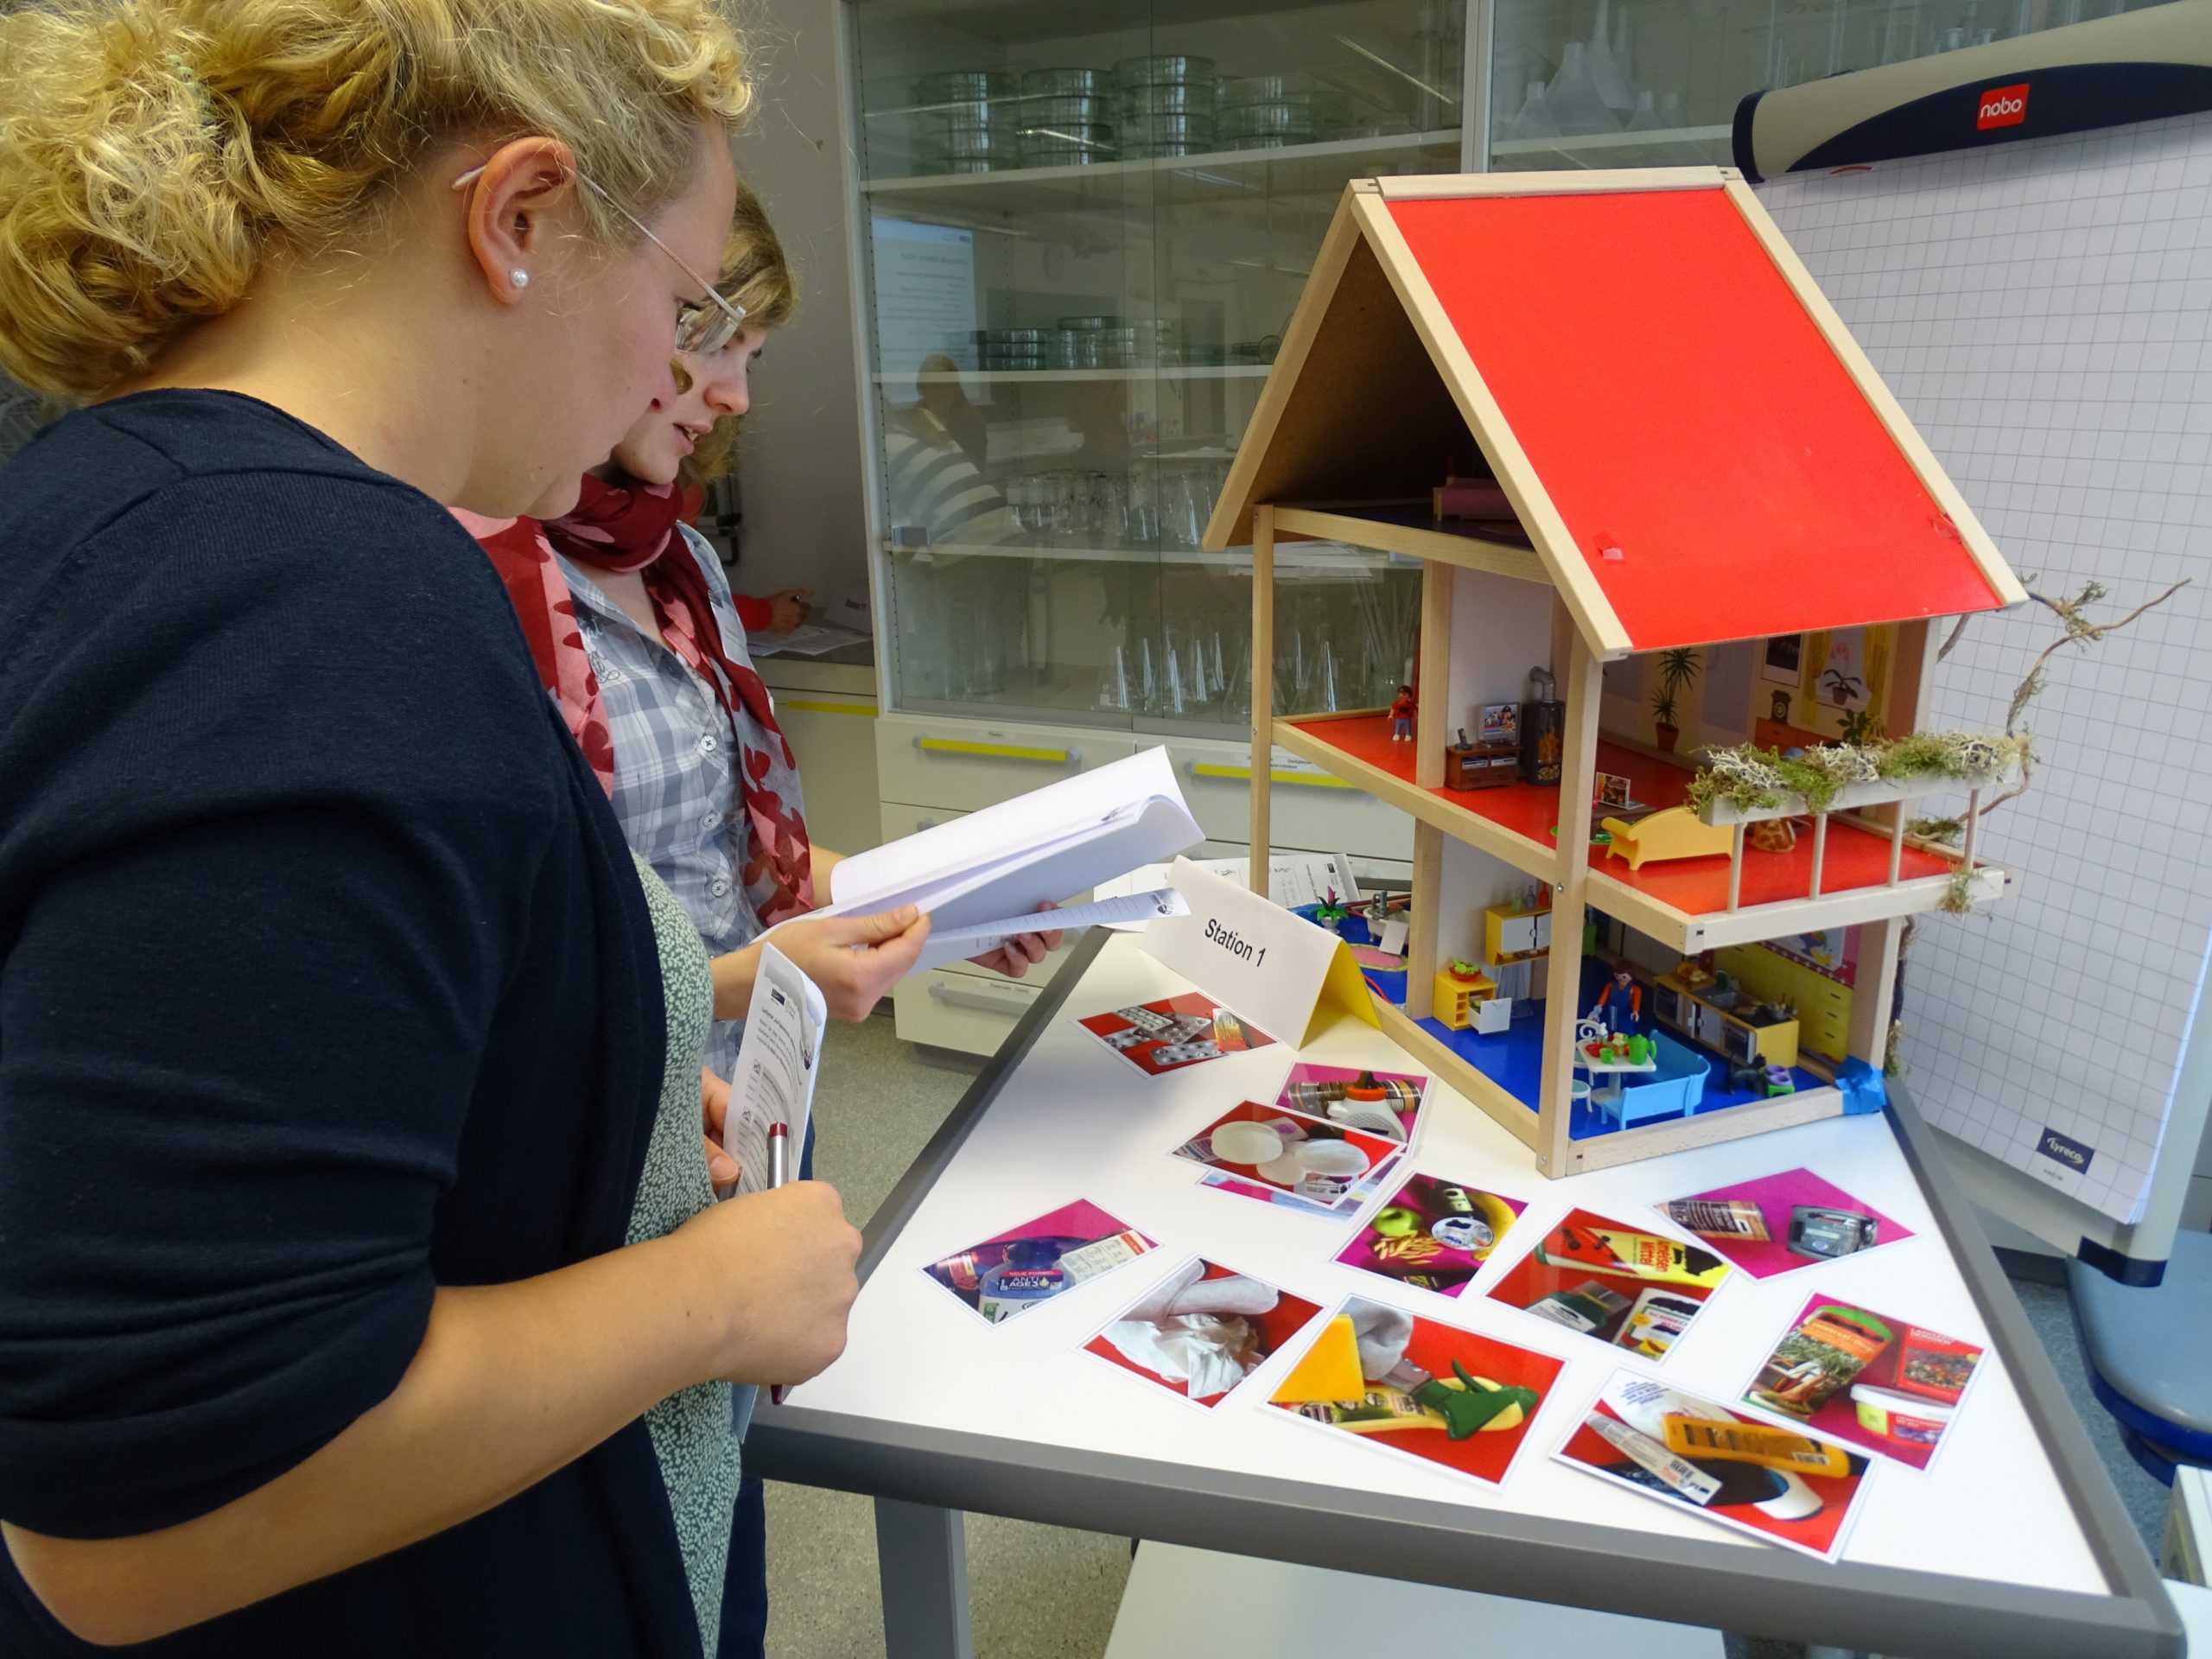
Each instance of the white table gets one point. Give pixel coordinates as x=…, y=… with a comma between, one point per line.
x=2013, y=1543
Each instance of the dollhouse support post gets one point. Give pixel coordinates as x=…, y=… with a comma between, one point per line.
x=1820, y=849
x=1432, y=719
x=1581, y=684
x=1897, y=847
x=1736, y=869
x=1873, y=985
x=1421, y=943
x=1263, y=688
x=1973, y=819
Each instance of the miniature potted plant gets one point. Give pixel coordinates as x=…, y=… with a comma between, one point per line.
x=1678, y=670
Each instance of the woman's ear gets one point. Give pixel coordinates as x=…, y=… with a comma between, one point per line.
x=512, y=200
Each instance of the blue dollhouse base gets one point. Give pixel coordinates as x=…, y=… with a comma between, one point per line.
x=1513, y=1060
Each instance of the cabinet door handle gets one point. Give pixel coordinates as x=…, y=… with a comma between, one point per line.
x=981, y=998
x=1068, y=757
x=1243, y=774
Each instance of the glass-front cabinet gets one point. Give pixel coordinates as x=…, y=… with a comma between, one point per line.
x=1655, y=83
x=1085, y=227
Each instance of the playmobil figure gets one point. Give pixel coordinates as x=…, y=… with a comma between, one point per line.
x=1620, y=1009
x=1401, y=715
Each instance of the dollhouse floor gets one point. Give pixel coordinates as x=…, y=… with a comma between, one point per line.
x=1513, y=1060
x=1697, y=887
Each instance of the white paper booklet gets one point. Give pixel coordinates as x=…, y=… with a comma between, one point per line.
x=776, y=1068
x=1038, y=848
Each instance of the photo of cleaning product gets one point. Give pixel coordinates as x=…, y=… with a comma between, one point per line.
x=1417, y=1386
x=1202, y=1330
x=1626, y=1285
x=1302, y=1163
x=1786, y=1486
x=1019, y=1269
x=1658, y=1317
x=1780, y=1223
x=1386, y=1103
x=1866, y=1379
x=1734, y=1218
x=1431, y=1234
x=1174, y=1033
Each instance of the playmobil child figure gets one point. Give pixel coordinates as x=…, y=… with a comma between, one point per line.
x=1401, y=715
x=1620, y=1009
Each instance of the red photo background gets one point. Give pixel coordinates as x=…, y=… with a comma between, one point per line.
x=1530, y=1280
x=1277, y=1327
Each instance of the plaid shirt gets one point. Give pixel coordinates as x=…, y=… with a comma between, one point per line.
x=675, y=766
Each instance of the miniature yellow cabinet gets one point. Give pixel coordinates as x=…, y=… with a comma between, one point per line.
x=1454, y=995
x=1429, y=347
x=1512, y=934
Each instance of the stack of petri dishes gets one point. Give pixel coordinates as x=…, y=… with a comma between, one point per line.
x=1268, y=112
x=1067, y=117
x=966, y=121
x=1166, y=105
x=1017, y=350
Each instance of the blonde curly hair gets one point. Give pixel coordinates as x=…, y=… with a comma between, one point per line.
x=755, y=273
x=153, y=152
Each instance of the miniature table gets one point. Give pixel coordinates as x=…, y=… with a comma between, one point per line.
x=2013, y=1543
x=1585, y=1059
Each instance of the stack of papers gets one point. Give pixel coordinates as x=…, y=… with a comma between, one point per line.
x=984, y=877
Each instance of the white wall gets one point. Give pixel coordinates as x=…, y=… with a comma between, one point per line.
x=1501, y=629
x=800, y=463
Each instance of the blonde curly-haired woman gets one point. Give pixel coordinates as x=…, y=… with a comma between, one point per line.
x=361, y=1293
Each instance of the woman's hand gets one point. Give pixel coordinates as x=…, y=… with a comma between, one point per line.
x=714, y=1125
x=778, y=1267
x=856, y=959
x=787, y=609
x=1021, y=952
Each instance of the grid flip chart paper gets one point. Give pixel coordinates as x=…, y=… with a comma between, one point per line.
x=2041, y=309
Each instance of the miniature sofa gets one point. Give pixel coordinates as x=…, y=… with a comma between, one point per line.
x=1677, y=1086
x=1674, y=833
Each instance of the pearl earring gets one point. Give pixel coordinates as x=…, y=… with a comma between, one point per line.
x=520, y=277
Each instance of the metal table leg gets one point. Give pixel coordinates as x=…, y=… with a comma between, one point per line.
x=922, y=1559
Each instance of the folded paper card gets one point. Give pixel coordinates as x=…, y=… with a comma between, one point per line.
x=1277, y=970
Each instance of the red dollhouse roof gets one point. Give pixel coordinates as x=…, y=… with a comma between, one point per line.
x=1678, y=393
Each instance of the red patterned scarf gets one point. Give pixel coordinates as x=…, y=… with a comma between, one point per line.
x=626, y=527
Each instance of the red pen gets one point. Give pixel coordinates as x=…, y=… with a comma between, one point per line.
x=778, y=1171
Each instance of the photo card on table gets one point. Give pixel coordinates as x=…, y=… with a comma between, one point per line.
x=1783, y=1485
x=1173, y=1033
x=1453, y=1398
x=1025, y=1267
x=1201, y=1331
x=1779, y=1222
x=1286, y=1158
x=1614, y=1281
x=1385, y=1104
x=1866, y=1379
x=1432, y=1234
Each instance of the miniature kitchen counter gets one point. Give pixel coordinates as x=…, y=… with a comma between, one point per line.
x=2012, y=1541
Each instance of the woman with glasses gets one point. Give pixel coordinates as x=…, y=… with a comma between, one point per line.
x=363, y=1293
x=640, y=643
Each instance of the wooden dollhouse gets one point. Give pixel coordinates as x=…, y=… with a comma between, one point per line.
x=1708, y=522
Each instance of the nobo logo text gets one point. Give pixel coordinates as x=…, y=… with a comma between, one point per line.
x=2002, y=106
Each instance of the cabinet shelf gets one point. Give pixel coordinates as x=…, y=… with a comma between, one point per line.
x=1046, y=377
x=1211, y=179
x=1312, y=557
x=1665, y=144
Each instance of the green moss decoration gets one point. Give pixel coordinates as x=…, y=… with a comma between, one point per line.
x=1753, y=779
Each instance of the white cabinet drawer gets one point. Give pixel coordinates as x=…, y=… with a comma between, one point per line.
x=972, y=1012
x=964, y=764
x=1309, y=810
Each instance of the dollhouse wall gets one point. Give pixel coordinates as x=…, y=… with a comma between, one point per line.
x=1501, y=628
x=1780, y=693
x=1469, y=882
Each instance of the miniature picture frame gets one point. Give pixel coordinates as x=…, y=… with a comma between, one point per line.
x=1501, y=722
x=1613, y=789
